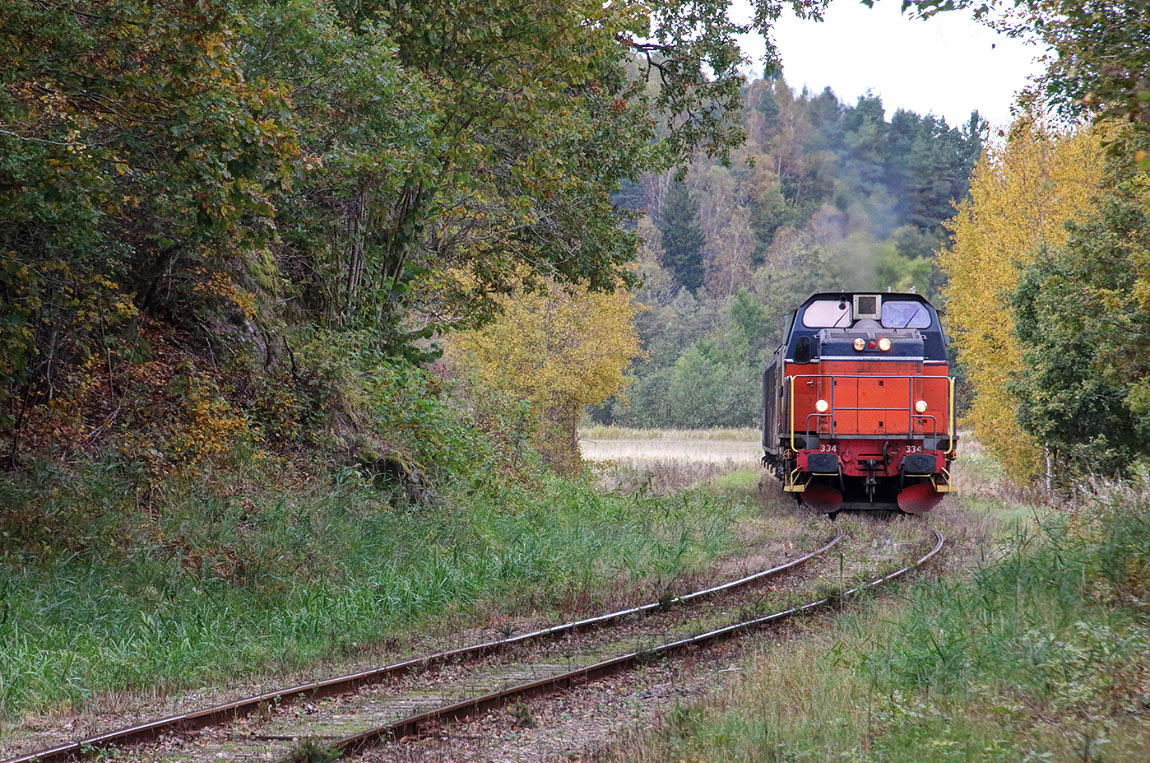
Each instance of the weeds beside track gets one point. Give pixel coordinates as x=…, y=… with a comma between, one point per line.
x=554, y=675
x=349, y=683
x=412, y=725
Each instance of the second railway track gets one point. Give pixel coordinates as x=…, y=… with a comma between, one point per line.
x=407, y=697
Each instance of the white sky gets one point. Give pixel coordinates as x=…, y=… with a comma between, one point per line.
x=945, y=65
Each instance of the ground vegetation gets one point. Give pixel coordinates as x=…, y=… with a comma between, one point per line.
x=1040, y=653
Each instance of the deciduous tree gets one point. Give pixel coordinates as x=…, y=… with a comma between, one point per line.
x=1023, y=192
x=560, y=349
x=1083, y=316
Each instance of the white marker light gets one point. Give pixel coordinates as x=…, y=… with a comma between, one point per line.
x=821, y=406
x=920, y=406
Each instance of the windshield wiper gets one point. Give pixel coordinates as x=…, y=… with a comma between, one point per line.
x=917, y=310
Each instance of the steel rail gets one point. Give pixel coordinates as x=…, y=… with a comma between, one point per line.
x=231, y=711
x=412, y=725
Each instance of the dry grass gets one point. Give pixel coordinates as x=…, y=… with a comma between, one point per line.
x=980, y=476
x=599, y=432
x=661, y=476
x=666, y=461
x=684, y=450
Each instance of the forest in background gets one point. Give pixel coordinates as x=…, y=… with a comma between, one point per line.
x=243, y=226
x=822, y=196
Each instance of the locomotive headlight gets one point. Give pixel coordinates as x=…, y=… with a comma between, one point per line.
x=920, y=406
x=821, y=406
x=884, y=344
x=860, y=345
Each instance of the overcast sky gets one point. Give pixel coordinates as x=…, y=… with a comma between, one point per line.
x=945, y=65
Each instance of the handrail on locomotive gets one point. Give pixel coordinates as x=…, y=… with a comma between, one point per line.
x=910, y=411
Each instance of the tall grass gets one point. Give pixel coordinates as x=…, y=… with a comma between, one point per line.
x=1044, y=654
x=228, y=573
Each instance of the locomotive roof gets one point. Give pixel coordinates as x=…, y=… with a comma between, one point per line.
x=867, y=310
x=883, y=294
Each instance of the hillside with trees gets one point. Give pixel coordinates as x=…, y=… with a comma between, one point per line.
x=256, y=204
x=235, y=236
x=823, y=195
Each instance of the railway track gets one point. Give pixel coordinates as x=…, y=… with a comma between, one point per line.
x=374, y=704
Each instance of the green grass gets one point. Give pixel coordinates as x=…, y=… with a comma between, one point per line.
x=230, y=573
x=735, y=481
x=1041, y=654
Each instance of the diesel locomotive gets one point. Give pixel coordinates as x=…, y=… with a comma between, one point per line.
x=858, y=406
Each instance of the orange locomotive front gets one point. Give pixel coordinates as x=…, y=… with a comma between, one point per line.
x=858, y=409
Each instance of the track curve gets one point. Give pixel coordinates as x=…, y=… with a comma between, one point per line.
x=412, y=725
x=231, y=711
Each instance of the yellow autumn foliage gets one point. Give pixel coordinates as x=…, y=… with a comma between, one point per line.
x=1023, y=192
x=558, y=348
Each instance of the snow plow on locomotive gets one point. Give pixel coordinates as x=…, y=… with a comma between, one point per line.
x=858, y=406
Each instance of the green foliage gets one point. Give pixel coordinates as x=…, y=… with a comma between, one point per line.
x=136, y=161
x=903, y=273
x=692, y=391
x=240, y=169
x=1086, y=336
x=714, y=380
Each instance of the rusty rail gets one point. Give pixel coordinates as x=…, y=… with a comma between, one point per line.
x=231, y=711
x=414, y=724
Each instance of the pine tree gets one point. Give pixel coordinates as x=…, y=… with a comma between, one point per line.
x=682, y=237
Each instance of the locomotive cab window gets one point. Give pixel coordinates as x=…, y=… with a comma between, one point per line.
x=905, y=314
x=827, y=314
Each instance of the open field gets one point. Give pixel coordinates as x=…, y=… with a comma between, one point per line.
x=666, y=460
x=742, y=434
x=720, y=445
